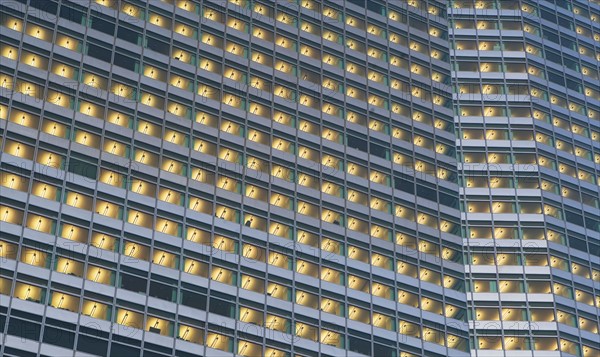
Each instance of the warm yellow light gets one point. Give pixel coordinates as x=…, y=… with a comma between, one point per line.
x=90, y=109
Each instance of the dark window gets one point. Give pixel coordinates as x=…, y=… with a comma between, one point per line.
x=71, y=14
x=8, y=351
x=92, y=345
x=59, y=337
x=380, y=350
x=61, y=324
x=128, y=35
x=553, y=56
x=125, y=62
x=549, y=16
x=574, y=85
x=594, y=249
x=378, y=150
x=373, y=6
x=357, y=345
x=127, y=340
x=158, y=46
x=556, y=78
x=103, y=26
x=448, y=200
x=427, y=193
x=592, y=223
x=118, y=350
x=45, y=5
x=24, y=329
x=133, y=283
x=161, y=291
x=566, y=23
x=93, y=331
x=551, y=36
x=194, y=300
x=574, y=217
x=82, y=168
x=100, y=53
x=566, y=42
x=452, y=177
x=221, y=307
x=358, y=144
x=578, y=244
x=360, y=3
x=158, y=348
x=404, y=185
x=184, y=354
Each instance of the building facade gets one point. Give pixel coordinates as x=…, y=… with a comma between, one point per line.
x=528, y=122
x=263, y=178
x=229, y=177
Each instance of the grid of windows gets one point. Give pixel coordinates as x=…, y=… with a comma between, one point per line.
x=526, y=105
x=250, y=177
x=296, y=178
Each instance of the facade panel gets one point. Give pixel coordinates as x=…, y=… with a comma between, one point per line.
x=526, y=93
x=299, y=178
x=207, y=178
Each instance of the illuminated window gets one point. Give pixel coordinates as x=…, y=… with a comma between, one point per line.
x=219, y=342
x=222, y=275
x=39, y=223
x=33, y=257
x=99, y=275
x=246, y=348
x=28, y=292
x=159, y=20
x=64, y=301
x=281, y=16
x=129, y=318
x=194, y=267
x=95, y=309
x=358, y=314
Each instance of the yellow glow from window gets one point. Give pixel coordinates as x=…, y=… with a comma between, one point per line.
x=148, y=99
x=91, y=109
x=158, y=20
x=129, y=318
x=121, y=90
x=28, y=292
x=14, y=24
x=208, y=65
x=258, y=109
x=58, y=98
x=216, y=341
x=177, y=109
x=139, y=219
x=130, y=10
x=117, y=118
x=53, y=128
x=94, y=309
x=67, y=42
x=285, y=18
x=87, y=139
x=65, y=302
x=39, y=33
x=33, y=60
x=39, y=223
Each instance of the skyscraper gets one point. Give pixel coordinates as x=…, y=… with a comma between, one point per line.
x=263, y=178
x=217, y=177
x=528, y=110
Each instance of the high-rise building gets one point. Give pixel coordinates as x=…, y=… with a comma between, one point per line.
x=229, y=177
x=528, y=121
x=259, y=178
